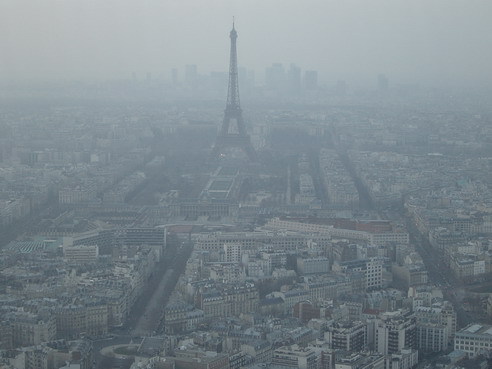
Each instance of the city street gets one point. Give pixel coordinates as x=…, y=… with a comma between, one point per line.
x=440, y=275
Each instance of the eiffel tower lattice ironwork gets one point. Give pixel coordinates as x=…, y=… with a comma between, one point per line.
x=230, y=136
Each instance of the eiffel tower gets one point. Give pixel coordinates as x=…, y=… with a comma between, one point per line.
x=237, y=137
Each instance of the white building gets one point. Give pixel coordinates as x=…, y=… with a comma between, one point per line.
x=295, y=357
x=383, y=238
x=474, y=339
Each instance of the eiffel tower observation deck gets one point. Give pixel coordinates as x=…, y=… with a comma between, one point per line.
x=233, y=133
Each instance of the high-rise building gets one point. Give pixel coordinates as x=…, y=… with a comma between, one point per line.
x=431, y=337
x=436, y=326
x=191, y=74
x=275, y=77
x=395, y=331
x=294, y=80
x=310, y=80
x=348, y=336
x=174, y=76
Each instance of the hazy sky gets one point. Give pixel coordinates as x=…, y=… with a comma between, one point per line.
x=408, y=40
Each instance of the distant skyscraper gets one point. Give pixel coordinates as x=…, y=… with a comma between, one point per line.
x=275, y=77
x=174, y=76
x=394, y=331
x=383, y=83
x=191, y=74
x=294, y=79
x=311, y=80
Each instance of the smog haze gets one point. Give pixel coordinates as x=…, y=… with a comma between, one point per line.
x=429, y=42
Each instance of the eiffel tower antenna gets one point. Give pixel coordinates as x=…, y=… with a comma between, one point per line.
x=239, y=139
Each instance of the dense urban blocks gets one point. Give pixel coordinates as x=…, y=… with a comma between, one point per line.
x=326, y=225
